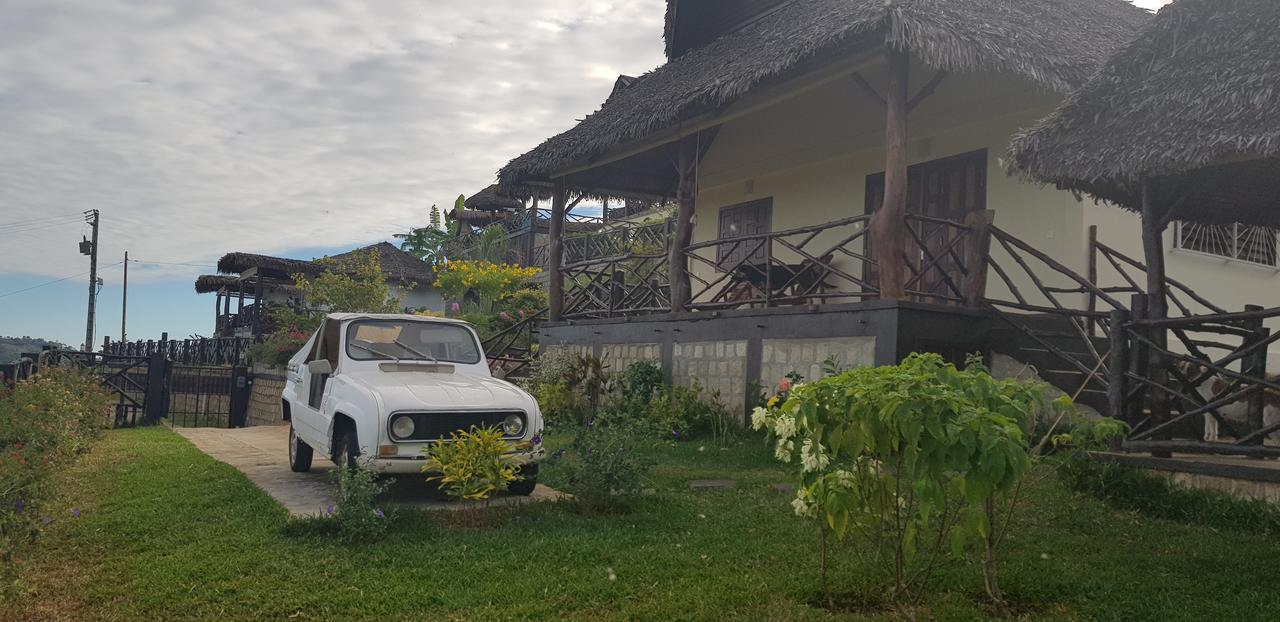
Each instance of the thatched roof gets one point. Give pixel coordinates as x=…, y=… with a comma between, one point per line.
x=491, y=199
x=1197, y=89
x=209, y=283
x=1055, y=43
x=397, y=265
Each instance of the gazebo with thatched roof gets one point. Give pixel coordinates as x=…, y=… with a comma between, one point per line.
x=1182, y=124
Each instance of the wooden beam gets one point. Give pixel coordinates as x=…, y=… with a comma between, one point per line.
x=868, y=89
x=555, y=251
x=1153, y=226
x=927, y=90
x=977, y=250
x=678, y=262
x=889, y=223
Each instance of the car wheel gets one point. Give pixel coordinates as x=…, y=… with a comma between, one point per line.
x=346, y=453
x=299, y=453
x=525, y=482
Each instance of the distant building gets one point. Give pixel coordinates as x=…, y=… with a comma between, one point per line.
x=249, y=284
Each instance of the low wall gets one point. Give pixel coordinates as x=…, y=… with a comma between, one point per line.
x=264, y=399
x=739, y=353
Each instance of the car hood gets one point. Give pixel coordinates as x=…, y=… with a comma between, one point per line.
x=437, y=391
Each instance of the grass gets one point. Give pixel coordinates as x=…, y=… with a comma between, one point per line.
x=168, y=533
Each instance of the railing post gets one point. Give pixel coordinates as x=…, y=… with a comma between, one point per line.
x=1117, y=380
x=888, y=223
x=1092, y=260
x=978, y=250
x=617, y=287
x=679, y=263
x=1254, y=365
x=555, y=251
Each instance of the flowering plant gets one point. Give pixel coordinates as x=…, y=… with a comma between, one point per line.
x=909, y=457
x=490, y=282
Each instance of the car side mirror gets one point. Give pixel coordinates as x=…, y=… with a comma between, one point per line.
x=320, y=367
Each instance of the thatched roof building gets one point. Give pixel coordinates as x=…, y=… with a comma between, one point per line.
x=211, y=283
x=1054, y=43
x=491, y=200
x=397, y=265
x=1192, y=105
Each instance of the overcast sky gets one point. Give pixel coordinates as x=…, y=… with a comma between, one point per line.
x=294, y=127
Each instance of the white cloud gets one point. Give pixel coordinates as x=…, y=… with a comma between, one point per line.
x=204, y=126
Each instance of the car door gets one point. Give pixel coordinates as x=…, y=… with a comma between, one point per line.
x=307, y=421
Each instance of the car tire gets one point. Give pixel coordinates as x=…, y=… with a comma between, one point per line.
x=525, y=482
x=346, y=453
x=299, y=453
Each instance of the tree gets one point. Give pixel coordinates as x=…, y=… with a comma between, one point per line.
x=427, y=243
x=353, y=285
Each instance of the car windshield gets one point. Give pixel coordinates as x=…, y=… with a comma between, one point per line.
x=408, y=340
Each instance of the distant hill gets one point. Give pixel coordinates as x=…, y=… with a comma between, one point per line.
x=12, y=347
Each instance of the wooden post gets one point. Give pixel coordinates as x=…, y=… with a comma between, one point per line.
x=977, y=252
x=617, y=290
x=1092, y=261
x=1117, y=381
x=678, y=263
x=1138, y=359
x=258, y=306
x=555, y=250
x=1157, y=306
x=889, y=223
x=1254, y=365
x=217, y=310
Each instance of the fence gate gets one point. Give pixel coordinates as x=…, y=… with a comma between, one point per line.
x=136, y=383
x=207, y=396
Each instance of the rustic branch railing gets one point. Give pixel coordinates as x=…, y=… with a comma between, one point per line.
x=817, y=263
x=1133, y=273
x=217, y=351
x=511, y=351
x=622, y=284
x=1164, y=394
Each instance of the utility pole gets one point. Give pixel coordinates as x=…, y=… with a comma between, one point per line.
x=90, y=248
x=124, y=298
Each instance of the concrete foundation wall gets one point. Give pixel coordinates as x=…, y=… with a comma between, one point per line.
x=720, y=367
x=779, y=357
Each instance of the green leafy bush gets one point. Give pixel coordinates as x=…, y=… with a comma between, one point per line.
x=681, y=412
x=606, y=465
x=472, y=465
x=355, y=516
x=908, y=459
x=44, y=423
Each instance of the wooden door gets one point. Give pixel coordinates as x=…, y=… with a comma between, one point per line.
x=742, y=220
x=948, y=189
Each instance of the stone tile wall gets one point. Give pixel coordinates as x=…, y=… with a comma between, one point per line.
x=718, y=366
x=619, y=356
x=779, y=357
x=264, y=402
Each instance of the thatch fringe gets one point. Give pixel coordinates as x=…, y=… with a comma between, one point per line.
x=397, y=265
x=1199, y=86
x=1055, y=43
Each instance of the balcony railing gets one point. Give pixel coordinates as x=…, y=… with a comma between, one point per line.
x=823, y=263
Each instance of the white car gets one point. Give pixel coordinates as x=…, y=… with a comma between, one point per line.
x=375, y=390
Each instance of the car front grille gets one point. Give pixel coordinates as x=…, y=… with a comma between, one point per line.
x=436, y=426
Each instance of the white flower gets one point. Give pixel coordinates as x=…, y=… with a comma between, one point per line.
x=812, y=458
x=801, y=504
x=785, y=427
x=784, y=450
x=844, y=479
x=759, y=418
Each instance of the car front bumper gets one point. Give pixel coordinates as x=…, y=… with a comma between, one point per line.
x=414, y=463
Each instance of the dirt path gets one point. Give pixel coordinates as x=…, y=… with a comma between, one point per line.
x=261, y=454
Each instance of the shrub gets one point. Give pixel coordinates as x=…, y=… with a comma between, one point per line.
x=606, y=465
x=908, y=458
x=44, y=422
x=489, y=282
x=681, y=412
x=641, y=381
x=355, y=516
x=473, y=465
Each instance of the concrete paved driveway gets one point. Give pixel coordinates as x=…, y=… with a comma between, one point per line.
x=261, y=453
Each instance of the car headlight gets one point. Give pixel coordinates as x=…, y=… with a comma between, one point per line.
x=513, y=425
x=402, y=427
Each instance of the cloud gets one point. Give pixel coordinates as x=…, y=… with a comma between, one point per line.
x=200, y=127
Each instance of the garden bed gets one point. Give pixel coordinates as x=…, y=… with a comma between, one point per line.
x=166, y=532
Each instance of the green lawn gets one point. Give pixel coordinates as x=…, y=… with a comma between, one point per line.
x=167, y=533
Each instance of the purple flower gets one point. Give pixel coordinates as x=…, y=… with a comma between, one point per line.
x=45, y=520
x=75, y=512
x=379, y=513
x=675, y=434
x=329, y=510
x=455, y=307
x=19, y=505
x=537, y=439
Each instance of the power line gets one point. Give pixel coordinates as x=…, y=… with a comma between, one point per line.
x=65, y=278
x=28, y=221
x=172, y=263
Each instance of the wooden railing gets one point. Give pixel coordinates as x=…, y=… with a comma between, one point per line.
x=217, y=351
x=1221, y=382
x=511, y=351
x=630, y=283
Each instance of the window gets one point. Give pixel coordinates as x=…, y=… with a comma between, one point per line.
x=411, y=341
x=741, y=220
x=1240, y=242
